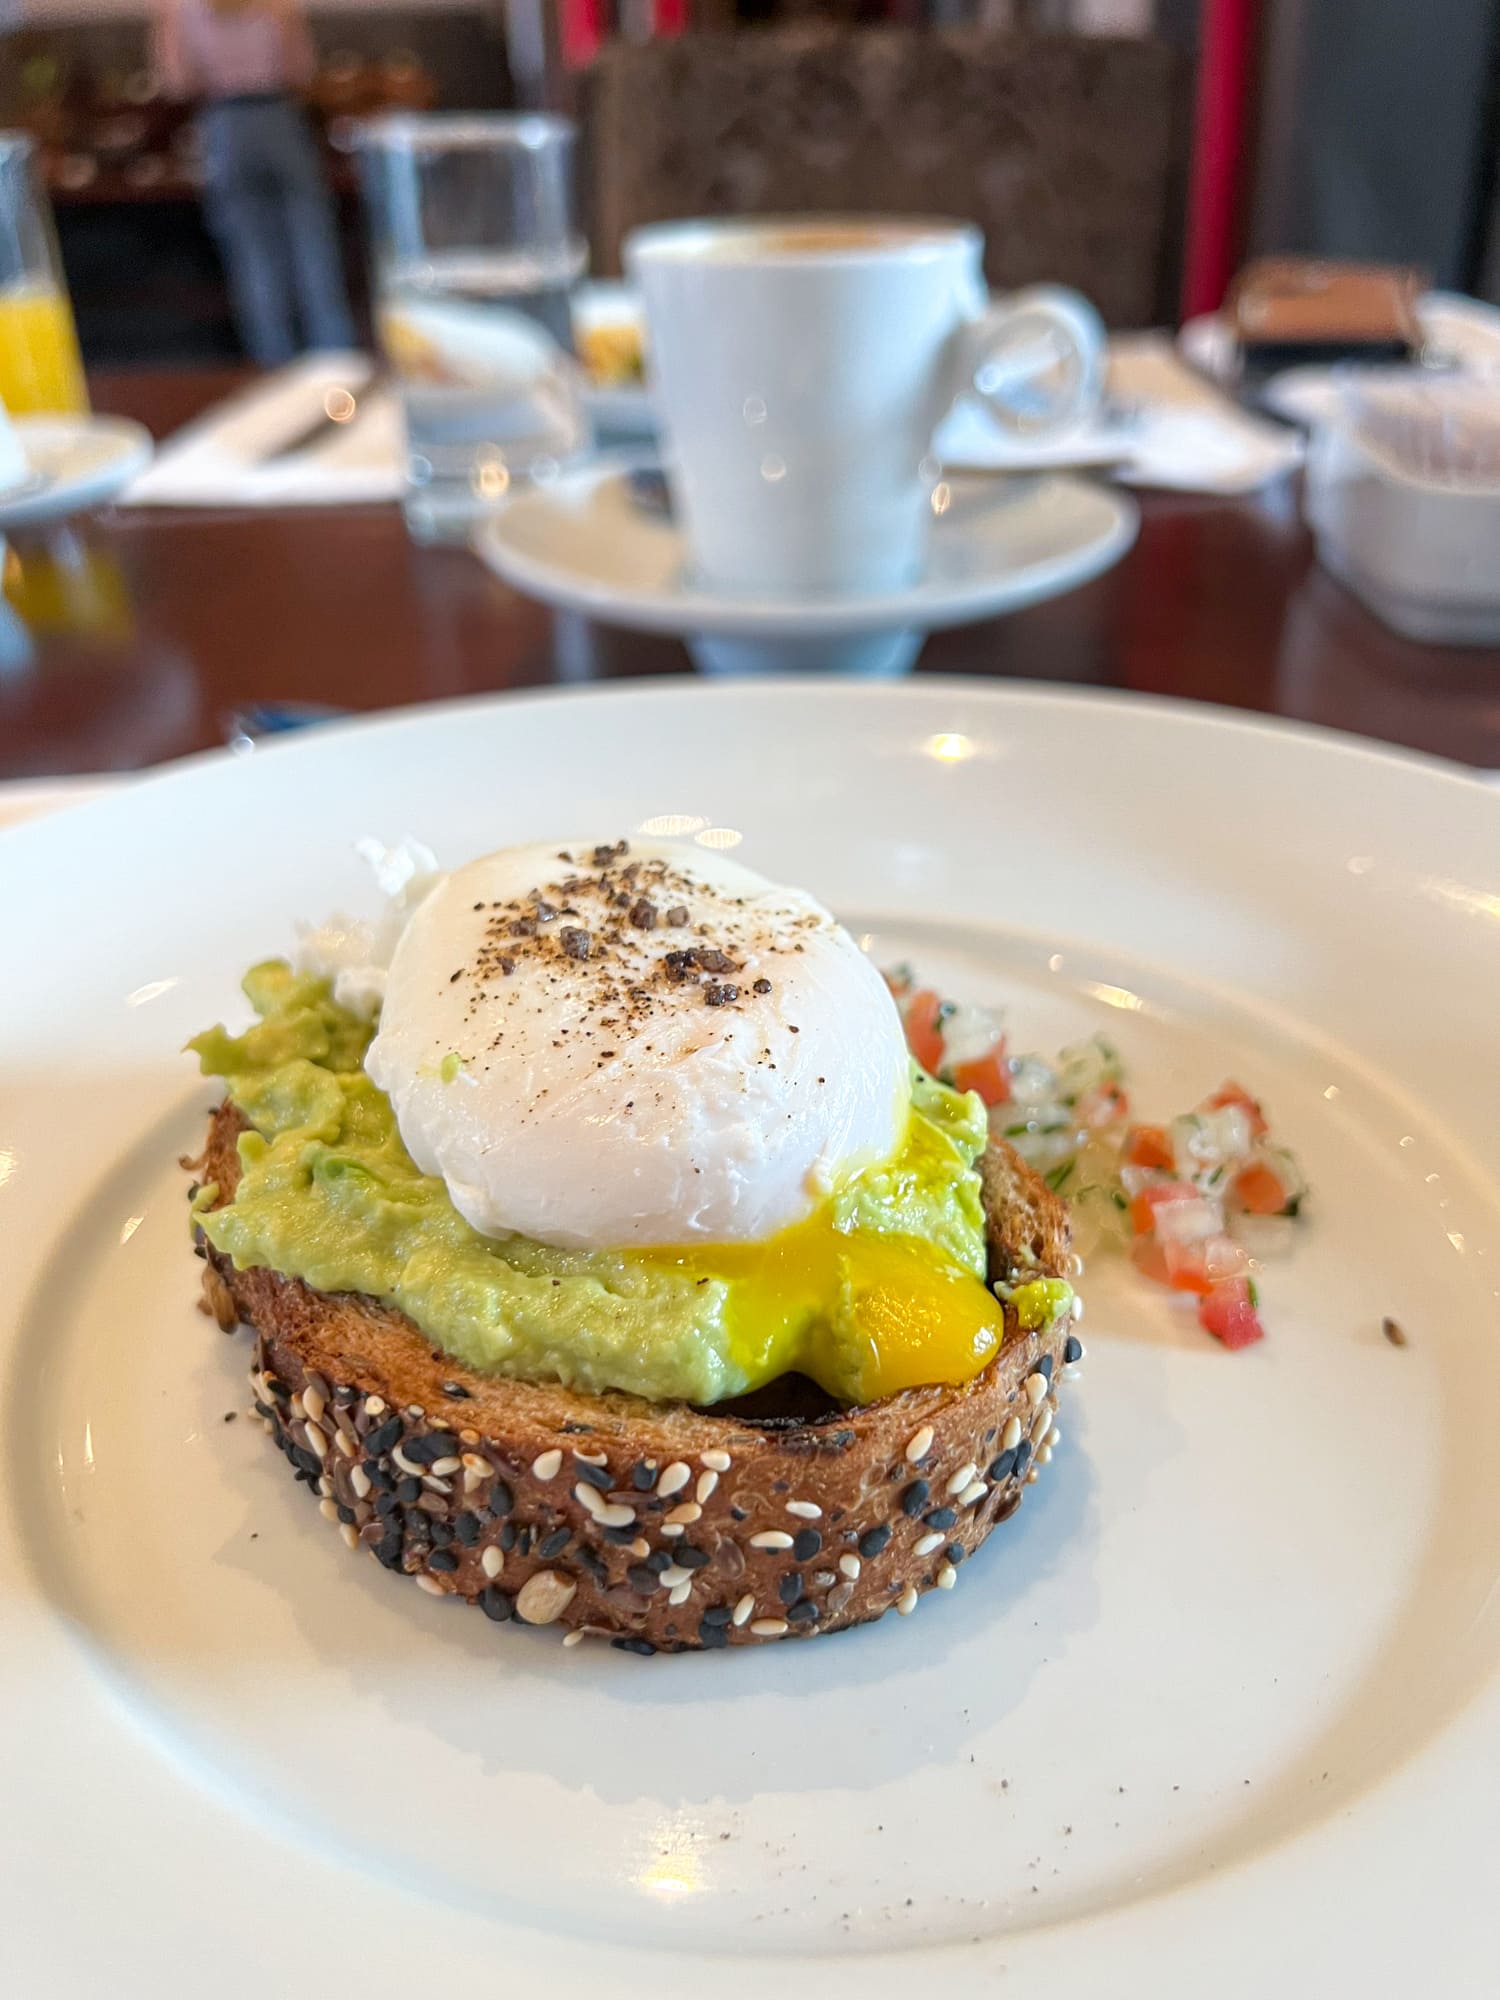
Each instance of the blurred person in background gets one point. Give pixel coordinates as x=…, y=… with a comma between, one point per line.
x=267, y=201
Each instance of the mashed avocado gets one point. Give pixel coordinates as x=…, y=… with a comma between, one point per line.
x=880, y=1288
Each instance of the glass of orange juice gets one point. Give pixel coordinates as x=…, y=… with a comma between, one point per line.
x=40, y=366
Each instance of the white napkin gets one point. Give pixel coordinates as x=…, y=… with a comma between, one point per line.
x=1161, y=425
x=228, y=457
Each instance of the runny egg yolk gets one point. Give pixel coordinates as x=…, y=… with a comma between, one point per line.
x=863, y=1313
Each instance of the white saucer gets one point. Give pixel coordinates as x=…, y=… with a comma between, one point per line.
x=583, y=542
x=76, y=463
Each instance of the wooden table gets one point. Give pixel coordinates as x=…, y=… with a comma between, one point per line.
x=151, y=627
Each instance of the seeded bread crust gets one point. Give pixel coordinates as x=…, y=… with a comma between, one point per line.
x=658, y=1526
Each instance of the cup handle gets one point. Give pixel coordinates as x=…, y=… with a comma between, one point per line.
x=1036, y=362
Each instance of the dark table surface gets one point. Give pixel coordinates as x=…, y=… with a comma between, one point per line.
x=150, y=627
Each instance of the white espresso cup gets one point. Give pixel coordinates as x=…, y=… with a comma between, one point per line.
x=800, y=369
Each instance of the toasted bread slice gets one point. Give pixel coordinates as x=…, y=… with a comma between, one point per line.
x=660, y=1526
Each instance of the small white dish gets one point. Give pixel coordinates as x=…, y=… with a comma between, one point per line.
x=76, y=463
x=585, y=543
x=616, y=409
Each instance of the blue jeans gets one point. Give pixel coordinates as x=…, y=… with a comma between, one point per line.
x=269, y=206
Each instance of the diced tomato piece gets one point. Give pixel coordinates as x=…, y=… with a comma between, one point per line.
x=923, y=1036
x=1149, y=1200
x=1150, y=1260
x=1104, y=1105
x=1260, y=1190
x=1229, y=1313
x=1201, y=1265
x=1231, y=1092
x=1148, y=1146
x=988, y=1074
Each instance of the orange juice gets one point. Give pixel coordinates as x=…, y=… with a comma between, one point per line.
x=40, y=366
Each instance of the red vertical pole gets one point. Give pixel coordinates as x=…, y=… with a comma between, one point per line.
x=1221, y=116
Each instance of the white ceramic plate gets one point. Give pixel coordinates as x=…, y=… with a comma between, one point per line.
x=77, y=463
x=583, y=542
x=1216, y=1713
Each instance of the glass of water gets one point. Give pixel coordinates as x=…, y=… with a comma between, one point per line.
x=476, y=252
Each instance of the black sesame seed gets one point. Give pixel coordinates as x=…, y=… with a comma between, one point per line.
x=1003, y=1466
x=803, y=1613
x=691, y=1558
x=346, y=1395
x=712, y=1637
x=383, y=1437
x=658, y=1560
x=642, y=1579
x=1023, y=1457
x=1073, y=1351
x=642, y=1478
x=523, y=1542
x=441, y=1531
x=941, y=1518
x=598, y=1476
x=554, y=1544
x=429, y=1449
x=501, y=1499
x=466, y=1528
x=457, y=1391
x=497, y=1603
x=444, y=1560
x=408, y=1489
x=508, y=1536
x=738, y=1514
x=789, y=1589
x=388, y=1548
x=1044, y=1367
x=386, y=1503
x=620, y=1537
x=914, y=1499
x=262, y=1409
x=806, y=1543
x=717, y=1614
x=873, y=1541
x=594, y=1565
x=305, y=1461
x=643, y=1647
x=955, y=1552
x=346, y=1515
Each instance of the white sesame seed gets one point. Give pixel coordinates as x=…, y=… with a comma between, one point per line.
x=589, y=1498
x=294, y=1407
x=328, y=1509
x=850, y=1565
x=473, y=1480
x=962, y=1477
x=770, y=1538
x=673, y=1479
x=973, y=1492
x=1031, y=1475
x=768, y=1628
x=1071, y=1371
x=674, y=1574
x=1076, y=1309
x=906, y=1603
x=685, y=1515
x=430, y=1584
x=919, y=1444
x=672, y=1529
x=1054, y=1438
x=444, y=1468
x=436, y=1485
x=267, y=1426
x=544, y=1597
x=547, y=1466
x=347, y=1445
x=927, y=1544
x=805, y=1510
x=947, y=1576
x=743, y=1609
x=591, y=1457
x=682, y=1593
x=325, y=1486
x=574, y=1638
x=1010, y=1437
x=415, y=1411
x=824, y=1579
x=313, y=1403
x=1035, y=1387
x=1042, y=1425
x=640, y=1548
x=615, y=1514
x=492, y=1561
x=350, y=1534
x=359, y=1483
x=408, y=1466
x=1074, y=1266
x=1044, y=1456
x=316, y=1442
x=374, y=1406
x=707, y=1481
x=474, y=1463
x=716, y=1461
